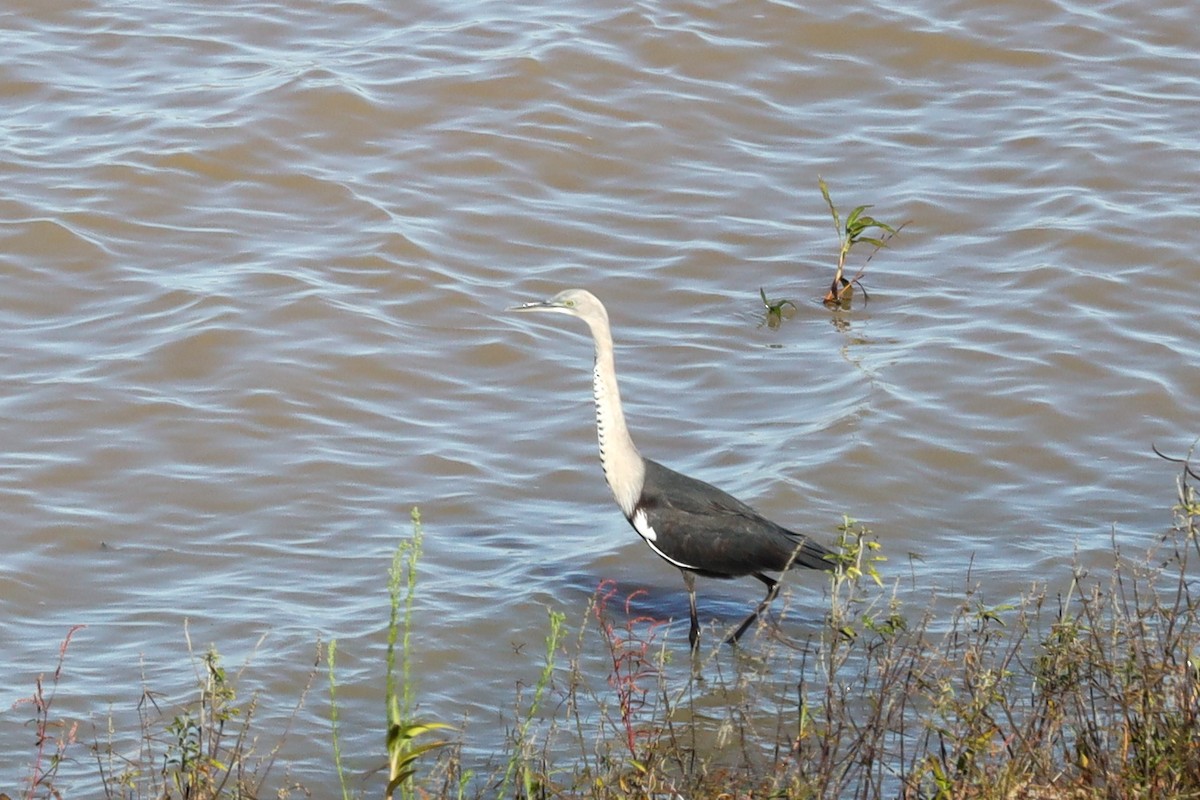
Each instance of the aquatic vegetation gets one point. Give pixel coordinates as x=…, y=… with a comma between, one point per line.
x=49, y=734
x=402, y=729
x=777, y=310
x=205, y=748
x=1088, y=692
x=857, y=229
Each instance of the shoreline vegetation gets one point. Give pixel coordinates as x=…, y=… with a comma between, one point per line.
x=1088, y=692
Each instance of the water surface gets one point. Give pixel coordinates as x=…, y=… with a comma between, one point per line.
x=255, y=260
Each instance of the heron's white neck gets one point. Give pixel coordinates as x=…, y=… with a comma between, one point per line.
x=623, y=466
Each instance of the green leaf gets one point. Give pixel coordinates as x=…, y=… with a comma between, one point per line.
x=854, y=215
x=397, y=781
x=775, y=307
x=837, y=223
x=417, y=728
x=418, y=751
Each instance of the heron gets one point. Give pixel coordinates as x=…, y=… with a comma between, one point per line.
x=691, y=524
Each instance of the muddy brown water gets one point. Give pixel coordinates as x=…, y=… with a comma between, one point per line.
x=255, y=260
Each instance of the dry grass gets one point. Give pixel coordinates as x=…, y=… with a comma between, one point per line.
x=1091, y=693
x=1094, y=693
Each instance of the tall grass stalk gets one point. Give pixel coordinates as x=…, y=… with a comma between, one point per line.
x=522, y=747
x=402, y=728
x=334, y=723
x=45, y=767
x=402, y=582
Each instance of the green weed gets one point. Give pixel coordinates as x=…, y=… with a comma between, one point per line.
x=858, y=228
x=777, y=310
x=1086, y=693
x=203, y=750
x=402, y=729
x=522, y=769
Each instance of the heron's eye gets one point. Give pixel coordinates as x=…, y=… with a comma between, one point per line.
x=569, y=303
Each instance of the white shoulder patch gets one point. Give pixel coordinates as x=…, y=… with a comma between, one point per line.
x=643, y=526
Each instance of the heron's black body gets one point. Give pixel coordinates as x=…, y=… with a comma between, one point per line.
x=705, y=530
x=689, y=523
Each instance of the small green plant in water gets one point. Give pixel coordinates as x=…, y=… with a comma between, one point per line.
x=858, y=228
x=777, y=310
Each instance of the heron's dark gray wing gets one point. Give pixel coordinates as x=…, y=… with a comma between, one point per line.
x=700, y=527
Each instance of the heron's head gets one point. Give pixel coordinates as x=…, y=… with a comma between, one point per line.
x=575, y=302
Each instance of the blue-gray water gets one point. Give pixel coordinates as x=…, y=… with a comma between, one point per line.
x=254, y=261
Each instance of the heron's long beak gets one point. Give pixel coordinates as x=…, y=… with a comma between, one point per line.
x=539, y=305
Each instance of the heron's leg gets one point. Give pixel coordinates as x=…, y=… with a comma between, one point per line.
x=772, y=590
x=689, y=580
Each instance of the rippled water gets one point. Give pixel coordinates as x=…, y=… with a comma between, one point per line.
x=254, y=261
